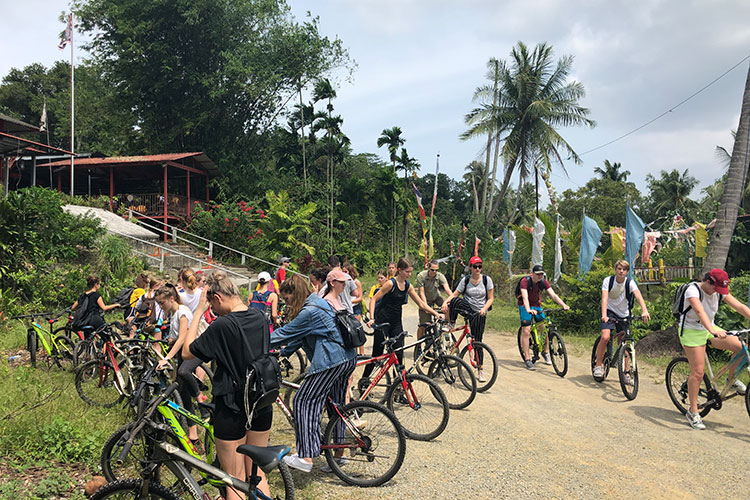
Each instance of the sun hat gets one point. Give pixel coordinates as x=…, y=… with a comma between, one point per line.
x=264, y=277
x=338, y=275
x=720, y=280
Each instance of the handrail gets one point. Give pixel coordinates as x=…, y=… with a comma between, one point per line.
x=175, y=252
x=211, y=243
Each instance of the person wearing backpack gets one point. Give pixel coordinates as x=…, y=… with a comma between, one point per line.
x=698, y=303
x=265, y=300
x=478, y=294
x=236, y=326
x=529, y=294
x=312, y=326
x=618, y=292
x=91, y=306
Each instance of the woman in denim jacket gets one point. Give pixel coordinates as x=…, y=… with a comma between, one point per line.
x=313, y=328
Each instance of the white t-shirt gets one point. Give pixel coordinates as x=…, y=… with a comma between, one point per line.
x=191, y=299
x=710, y=305
x=617, y=301
x=174, y=324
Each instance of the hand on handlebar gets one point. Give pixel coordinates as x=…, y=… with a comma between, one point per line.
x=719, y=333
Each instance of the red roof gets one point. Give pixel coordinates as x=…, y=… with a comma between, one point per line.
x=200, y=159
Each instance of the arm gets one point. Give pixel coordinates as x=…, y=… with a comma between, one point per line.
x=644, y=310
x=358, y=296
x=421, y=303
x=274, y=307
x=422, y=295
x=178, y=344
x=557, y=299
x=525, y=299
x=447, y=289
x=73, y=307
x=192, y=332
x=387, y=286
x=292, y=331
x=695, y=303
x=488, y=304
x=100, y=303
x=605, y=301
x=737, y=305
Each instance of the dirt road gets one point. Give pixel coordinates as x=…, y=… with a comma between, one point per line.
x=535, y=435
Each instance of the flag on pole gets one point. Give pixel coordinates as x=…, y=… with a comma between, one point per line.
x=43, y=121
x=423, y=251
x=635, y=230
x=537, y=257
x=67, y=35
x=590, y=237
x=419, y=201
x=558, y=253
x=477, y=241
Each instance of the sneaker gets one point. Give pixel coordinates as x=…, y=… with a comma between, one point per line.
x=529, y=365
x=629, y=380
x=296, y=462
x=340, y=460
x=481, y=377
x=547, y=359
x=695, y=421
x=599, y=371
x=739, y=387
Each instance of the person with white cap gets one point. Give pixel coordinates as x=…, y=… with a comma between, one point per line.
x=281, y=271
x=265, y=300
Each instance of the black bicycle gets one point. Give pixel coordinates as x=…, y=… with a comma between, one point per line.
x=623, y=358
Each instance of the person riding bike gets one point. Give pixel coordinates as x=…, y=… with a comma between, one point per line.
x=617, y=294
x=530, y=309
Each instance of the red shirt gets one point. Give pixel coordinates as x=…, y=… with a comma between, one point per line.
x=281, y=275
x=534, y=290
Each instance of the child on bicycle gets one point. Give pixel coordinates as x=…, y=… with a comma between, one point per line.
x=529, y=297
x=697, y=329
x=618, y=292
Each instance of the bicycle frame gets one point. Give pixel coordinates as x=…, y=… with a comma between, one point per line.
x=743, y=358
x=392, y=360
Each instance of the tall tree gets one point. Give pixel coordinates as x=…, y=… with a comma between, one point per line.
x=612, y=172
x=410, y=166
x=726, y=219
x=474, y=177
x=324, y=91
x=671, y=193
x=535, y=99
x=391, y=137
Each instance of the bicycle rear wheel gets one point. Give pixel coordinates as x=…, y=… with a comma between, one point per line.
x=558, y=353
x=423, y=365
x=131, y=488
x=677, y=386
x=32, y=344
x=488, y=365
x=95, y=383
x=533, y=347
x=629, y=377
x=454, y=376
x=422, y=409
x=84, y=351
x=372, y=440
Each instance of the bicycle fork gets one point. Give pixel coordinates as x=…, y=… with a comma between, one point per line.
x=409, y=393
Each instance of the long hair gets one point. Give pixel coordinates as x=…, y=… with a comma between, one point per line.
x=297, y=289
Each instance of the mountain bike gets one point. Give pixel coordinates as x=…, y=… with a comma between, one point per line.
x=371, y=433
x=624, y=357
x=59, y=348
x=708, y=396
x=416, y=400
x=159, y=453
x=537, y=343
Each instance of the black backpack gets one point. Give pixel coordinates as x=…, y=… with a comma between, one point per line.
x=465, y=281
x=123, y=297
x=518, y=286
x=83, y=315
x=629, y=296
x=349, y=327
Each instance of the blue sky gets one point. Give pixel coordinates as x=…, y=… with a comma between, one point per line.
x=419, y=62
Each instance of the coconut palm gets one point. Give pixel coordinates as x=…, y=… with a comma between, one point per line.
x=671, y=191
x=391, y=137
x=612, y=172
x=535, y=100
x=324, y=90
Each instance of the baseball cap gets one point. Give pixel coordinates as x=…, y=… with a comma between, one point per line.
x=537, y=269
x=475, y=260
x=264, y=277
x=720, y=280
x=284, y=259
x=338, y=275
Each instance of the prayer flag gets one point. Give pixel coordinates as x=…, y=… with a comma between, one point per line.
x=635, y=229
x=590, y=237
x=67, y=35
x=701, y=240
x=537, y=257
x=558, y=253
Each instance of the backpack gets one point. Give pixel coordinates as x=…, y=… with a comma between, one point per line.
x=628, y=294
x=349, y=327
x=264, y=303
x=465, y=281
x=83, y=315
x=145, y=314
x=262, y=381
x=123, y=296
x=680, y=308
x=518, y=286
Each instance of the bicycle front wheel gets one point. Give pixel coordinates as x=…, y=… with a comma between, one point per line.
x=558, y=353
x=95, y=383
x=131, y=488
x=372, y=441
x=422, y=409
x=483, y=360
x=628, y=376
x=453, y=375
x=676, y=379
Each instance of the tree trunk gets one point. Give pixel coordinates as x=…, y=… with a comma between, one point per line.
x=476, y=196
x=304, y=157
x=486, y=207
x=726, y=218
x=494, y=171
x=406, y=227
x=503, y=191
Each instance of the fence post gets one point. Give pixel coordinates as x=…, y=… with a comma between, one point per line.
x=174, y=235
x=161, y=262
x=243, y=259
x=210, y=252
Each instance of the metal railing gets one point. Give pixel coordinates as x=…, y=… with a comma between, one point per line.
x=163, y=251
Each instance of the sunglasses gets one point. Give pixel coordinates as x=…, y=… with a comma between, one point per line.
x=433, y=270
x=477, y=266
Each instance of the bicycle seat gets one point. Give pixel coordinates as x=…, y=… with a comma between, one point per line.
x=267, y=457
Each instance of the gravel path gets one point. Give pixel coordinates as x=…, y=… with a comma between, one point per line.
x=535, y=435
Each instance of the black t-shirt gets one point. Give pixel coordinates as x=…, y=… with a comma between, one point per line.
x=222, y=342
x=93, y=305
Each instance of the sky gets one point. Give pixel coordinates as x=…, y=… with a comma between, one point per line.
x=419, y=62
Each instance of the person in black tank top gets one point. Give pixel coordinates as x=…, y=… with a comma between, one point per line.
x=391, y=299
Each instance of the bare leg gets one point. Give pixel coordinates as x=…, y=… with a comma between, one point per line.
x=602, y=347
x=525, y=332
x=697, y=359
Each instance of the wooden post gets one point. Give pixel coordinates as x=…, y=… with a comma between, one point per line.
x=5, y=176
x=165, y=201
x=206, y=188
x=188, y=194
x=111, y=188
x=33, y=170
x=59, y=182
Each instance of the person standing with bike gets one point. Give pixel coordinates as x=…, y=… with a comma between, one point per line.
x=697, y=328
x=265, y=300
x=429, y=283
x=312, y=326
x=618, y=292
x=223, y=341
x=478, y=294
x=529, y=295
x=92, y=306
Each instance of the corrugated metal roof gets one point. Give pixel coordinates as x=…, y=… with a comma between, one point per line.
x=199, y=159
x=10, y=124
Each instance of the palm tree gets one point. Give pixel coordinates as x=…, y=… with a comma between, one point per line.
x=535, y=99
x=410, y=166
x=612, y=172
x=391, y=137
x=474, y=176
x=324, y=90
x=726, y=218
x=671, y=192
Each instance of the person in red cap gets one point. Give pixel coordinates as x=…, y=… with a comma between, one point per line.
x=697, y=321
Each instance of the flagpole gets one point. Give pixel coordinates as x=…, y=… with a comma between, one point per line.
x=72, y=112
x=434, y=199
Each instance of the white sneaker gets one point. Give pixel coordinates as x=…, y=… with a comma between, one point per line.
x=296, y=462
x=599, y=371
x=739, y=387
x=547, y=359
x=695, y=420
x=481, y=377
